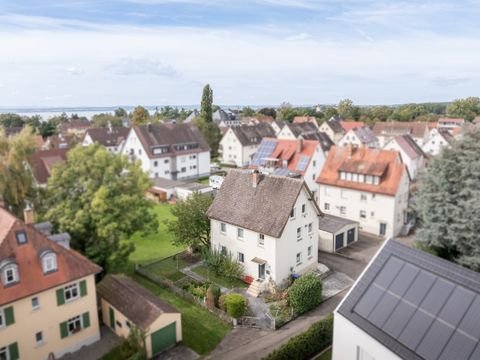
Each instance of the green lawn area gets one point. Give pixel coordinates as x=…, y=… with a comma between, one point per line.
x=202, y=331
x=228, y=283
x=327, y=355
x=204, y=181
x=157, y=245
x=169, y=268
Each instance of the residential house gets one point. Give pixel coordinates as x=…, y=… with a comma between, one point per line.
x=226, y=118
x=41, y=164
x=75, y=127
x=449, y=124
x=385, y=131
x=295, y=158
x=171, y=151
x=358, y=137
x=333, y=129
x=294, y=131
x=305, y=119
x=268, y=223
x=126, y=304
x=411, y=154
x=348, y=125
x=239, y=143
x=111, y=138
x=409, y=304
x=48, y=303
x=439, y=139
x=193, y=115
x=60, y=141
x=365, y=185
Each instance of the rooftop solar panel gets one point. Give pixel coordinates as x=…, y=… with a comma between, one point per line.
x=264, y=151
x=303, y=163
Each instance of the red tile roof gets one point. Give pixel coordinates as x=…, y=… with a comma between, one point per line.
x=32, y=280
x=348, y=125
x=42, y=163
x=458, y=121
x=393, y=128
x=304, y=119
x=375, y=162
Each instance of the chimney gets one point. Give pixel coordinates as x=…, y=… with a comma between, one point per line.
x=29, y=215
x=256, y=178
x=299, y=145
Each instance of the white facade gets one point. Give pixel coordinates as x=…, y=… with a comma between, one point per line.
x=351, y=138
x=180, y=167
x=329, y=131
x=414, y=166
x=233, y=152
x=87, y=141
x=435, y=143
x=376, y=213
x=291, y=253
x=313, y=169
x=286, y=133
x=351, y=342
x=276, y=127
x=327, y=240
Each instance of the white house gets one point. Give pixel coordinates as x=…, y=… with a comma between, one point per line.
x=333, y=129
x=226, y=118
x=111, y=138
x=385, y=131
x=360, y=136
x=294, y=131
x=450, y=123
x=239, y=143
x=411, y=154
x=268, y=223
x=171, y=151
x=409, y=304
x=300, y=158
x=439, y=139
x=369, y=186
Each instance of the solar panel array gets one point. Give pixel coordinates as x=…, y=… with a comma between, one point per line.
x=264, y=151
x=281, y=172
x=430, y=315
x=303, y=163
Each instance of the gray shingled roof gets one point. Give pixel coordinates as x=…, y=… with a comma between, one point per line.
x=365, y=134
x=252, y=134
x=134, y=301
x=107, y=137
x=302, y=128
x=264, y=209
x=409, y=145
x=417, y=305
x=332, y=224
x=325, y=142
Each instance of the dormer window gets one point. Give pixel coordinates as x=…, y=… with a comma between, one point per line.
x=49, y=261
x=21, y=237
x=10, y=274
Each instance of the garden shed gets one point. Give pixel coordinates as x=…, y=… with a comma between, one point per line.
x=336, y=233
x=125, y=304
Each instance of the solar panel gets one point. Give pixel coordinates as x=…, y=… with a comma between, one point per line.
x=281, y=172
x=303, y=163
x=264, y=150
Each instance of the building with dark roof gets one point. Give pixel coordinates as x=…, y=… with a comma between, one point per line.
x=333, y=128
x=336, y=232
x=126, y=304
x=112, y=138
x=239, y=143
x=297, y=130
x=171, y=151
x=411, y=154
x=358, y=137
x=48, y=301
x=386, y=130
x=409, y=305
x=268, y=223
x=439, y=139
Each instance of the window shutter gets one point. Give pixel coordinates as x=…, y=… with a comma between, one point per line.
x=60, y=297
x=86, y=320
x=83, y=288
x=9, y=316
x=13, y=351
x=63, y=329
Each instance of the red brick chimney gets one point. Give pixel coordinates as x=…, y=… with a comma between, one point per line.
x=299, y=145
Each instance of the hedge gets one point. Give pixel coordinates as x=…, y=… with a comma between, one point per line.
x=305, y=294
x=236, y=305
x=307, y=344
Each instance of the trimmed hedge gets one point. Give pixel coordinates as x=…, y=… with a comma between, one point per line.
x=305, y=294
x=236, y=305
x=307, y=344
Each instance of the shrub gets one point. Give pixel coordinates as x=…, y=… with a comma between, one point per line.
x=305, y=294
x=236, y=305
x=221, y=303
x=223, y=264
x=307, y=344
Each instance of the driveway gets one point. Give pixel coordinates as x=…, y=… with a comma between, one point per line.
x=107, y=342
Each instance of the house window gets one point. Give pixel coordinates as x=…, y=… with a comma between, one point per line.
x=74, y=325
x=299, y=258
x=241, y=257
x=167, y=172
x=223, y=227
x=156, y=174
x=369, y=179
x=35, y=303
x=184, y=169
x=299, y=233
x=326, y=206
x=224, y=250
x=292, y=214
x=343, y=210
x=363, y=214
x=343, y=175
x=2, y=319
x=10, y=274
x=71, y=292
x=127, y=323
x=376, y=180
x=21, y=237
x=349, y=176
x=4, y=354
x=261, y=239
x=363, y=197
x=240, y=233
x=155, y=163
x=309, y=250
x=166, y=161
x=182, y=159
x=304, y=208
x=361, y=178
x=39, y=337
x=139, y=151
x=355, y=177
x=310, y=228
x=372, y=214
x=49, y=262
x=314, y=163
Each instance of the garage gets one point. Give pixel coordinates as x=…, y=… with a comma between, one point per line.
x=336, y=233
x=125, y=304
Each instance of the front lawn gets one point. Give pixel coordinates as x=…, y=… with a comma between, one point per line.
x=157, y=245
x=219, y=280
x=201, y=330
x=169, y=268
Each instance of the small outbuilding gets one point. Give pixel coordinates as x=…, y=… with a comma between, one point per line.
x=186, y=190
x=162, y=189
x=124, y=304
x=336, y=233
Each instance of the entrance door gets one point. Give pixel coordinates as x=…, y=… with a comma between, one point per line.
x=383, y=229
x=339, y=241
x=164, y=338
x=261, y=271
x=111, y=314
x=350, y=236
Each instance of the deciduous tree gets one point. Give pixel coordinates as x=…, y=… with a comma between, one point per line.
x=466, y=108
x=140, y=116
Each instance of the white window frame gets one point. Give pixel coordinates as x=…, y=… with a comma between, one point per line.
x=292, y=214
x=363, y=197
x=363, y=214
x=240, y=233
x=299, y=258
x=39, y=342
x=299, y=233
x=70, y=289
x=223, y=228
x=4, y=350
x=10, y=270
x=49, y=262
x=261, y=240
x=37, y=306
x=326, y=206
x=343, y=210
x=240, y=257
x=73, y=321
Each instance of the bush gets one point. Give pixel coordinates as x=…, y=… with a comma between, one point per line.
x=236, y=305
x=221, y=303
x=308, y=344
x=305, y=294
x=223, y=264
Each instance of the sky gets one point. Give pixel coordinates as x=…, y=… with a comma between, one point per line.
x=252, y=52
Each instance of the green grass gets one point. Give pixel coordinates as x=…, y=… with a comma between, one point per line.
x=327, y=355
x=157, y=245
x=204, y=181
x=201, y=330
x=169, y=268
x=219, y=280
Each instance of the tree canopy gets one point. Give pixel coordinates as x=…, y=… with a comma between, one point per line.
x=206, y=111
x=191, y=226
x=98, y=198
x=448, y=203
x=467, y=108
x=140, y=116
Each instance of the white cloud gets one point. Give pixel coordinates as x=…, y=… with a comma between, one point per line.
x=141, y=66
x=297, y=37
x=73, y=70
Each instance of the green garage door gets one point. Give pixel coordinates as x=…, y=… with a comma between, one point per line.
x=164, y=338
